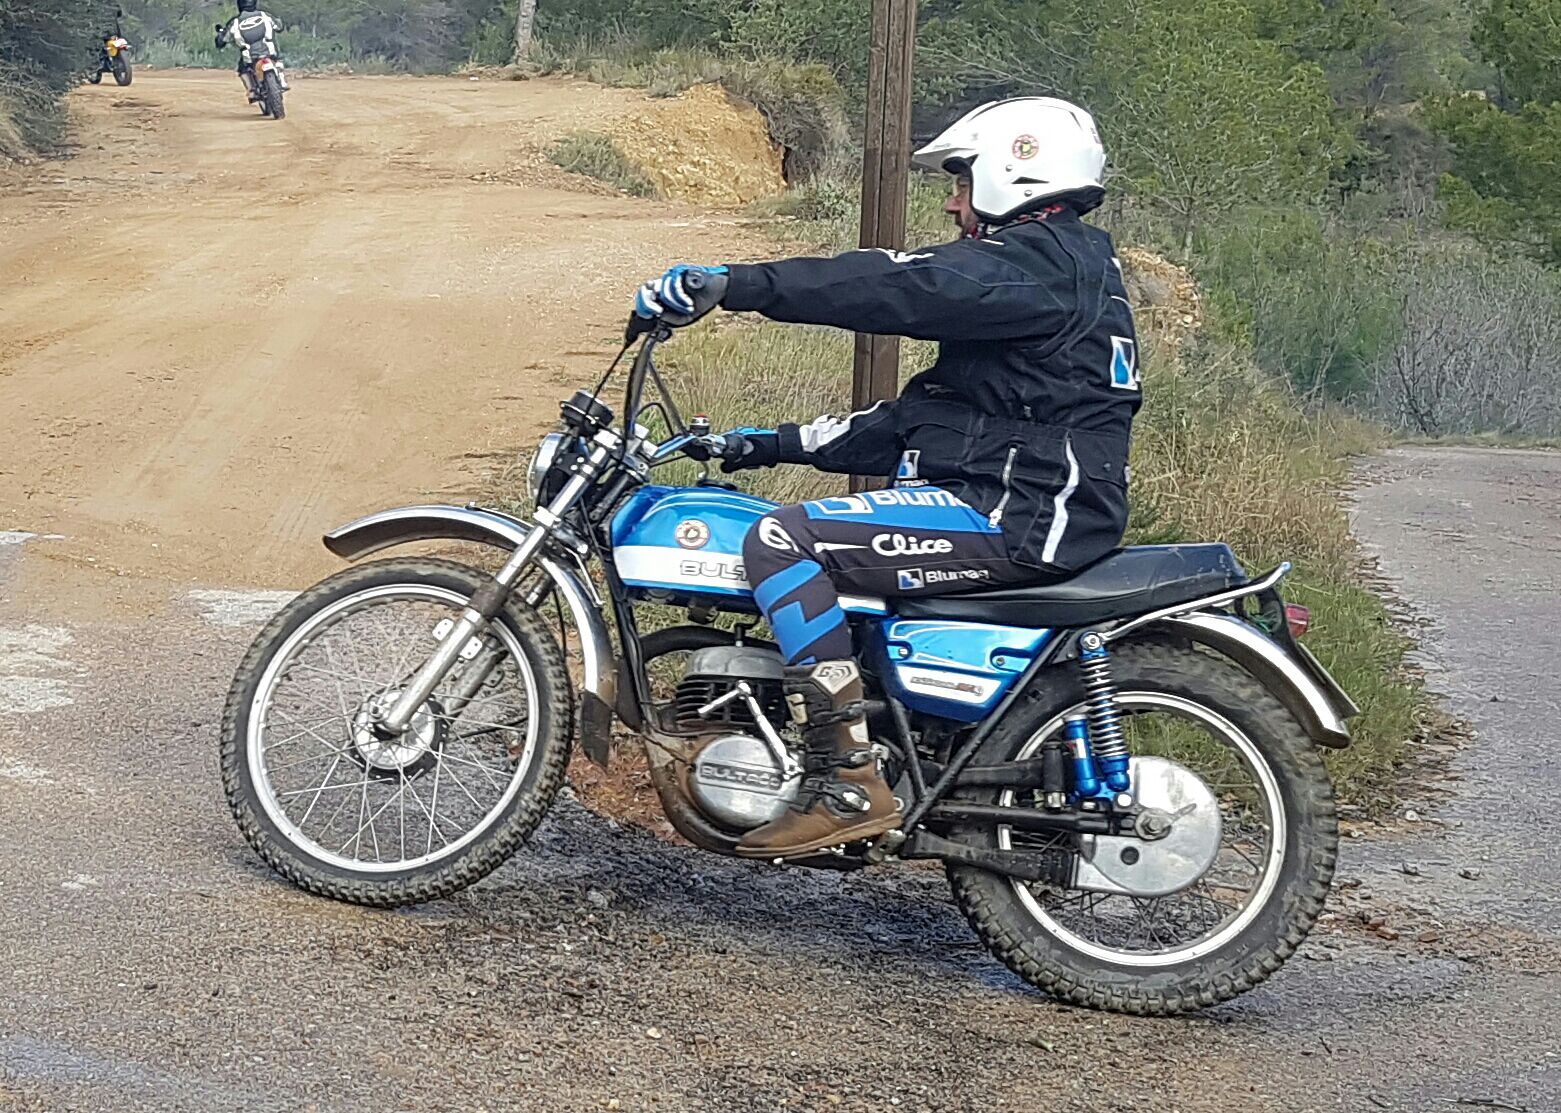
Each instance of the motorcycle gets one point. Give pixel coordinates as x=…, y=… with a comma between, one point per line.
x=114, y=58
x=262, y=73
x=1120, y=772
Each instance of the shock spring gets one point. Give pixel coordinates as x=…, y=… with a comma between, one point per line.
x=1105, y=720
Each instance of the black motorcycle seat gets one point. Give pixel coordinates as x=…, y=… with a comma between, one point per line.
x=1121, y=584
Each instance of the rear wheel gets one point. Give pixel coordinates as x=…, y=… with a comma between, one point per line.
x=97, y=78
x=271, y=96
x=1238, y=914
x=122, y=72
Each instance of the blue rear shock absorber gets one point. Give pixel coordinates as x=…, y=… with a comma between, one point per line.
x=1106, y=738
x=1085, y=781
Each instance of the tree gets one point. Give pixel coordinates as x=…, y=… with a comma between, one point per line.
x=525, y=21
x=1522, y=39
x=1504, y=186
x=1204, y=114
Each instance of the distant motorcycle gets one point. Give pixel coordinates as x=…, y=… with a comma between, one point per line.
x=1120, y=771
x=114, y=58
x=261, y=68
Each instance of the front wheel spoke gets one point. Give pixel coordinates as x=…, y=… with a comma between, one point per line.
x=363, y=808
x=379, y=811
x=329, y=773
x=272, y=770
x=463, y=720
x=305, y=731
x=330, y=820
x=433, y=824
x=321, y=789
x=438, y=770
x=335, y=673
x=493, y=782
x=460, y=784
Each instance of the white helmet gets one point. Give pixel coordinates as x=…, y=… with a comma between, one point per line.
x=1020, y=152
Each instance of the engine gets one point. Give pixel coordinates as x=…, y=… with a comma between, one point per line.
x=737, y=777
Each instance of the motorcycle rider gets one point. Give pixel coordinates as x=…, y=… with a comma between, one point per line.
x=250, y=28
x=1008, y=456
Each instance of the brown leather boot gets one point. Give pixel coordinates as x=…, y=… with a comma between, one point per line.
x=843, y=796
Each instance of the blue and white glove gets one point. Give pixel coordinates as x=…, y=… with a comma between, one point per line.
x=682, y=295
x=738, y=449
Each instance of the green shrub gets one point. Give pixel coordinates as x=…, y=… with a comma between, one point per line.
x=1317, y=301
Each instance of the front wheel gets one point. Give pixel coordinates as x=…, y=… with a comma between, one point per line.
x=122, y=71
x=271, y=96
x=341, y=810
x=1190, y=935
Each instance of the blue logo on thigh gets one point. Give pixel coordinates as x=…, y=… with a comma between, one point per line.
x=910, y=579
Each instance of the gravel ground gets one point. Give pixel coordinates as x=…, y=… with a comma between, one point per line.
x=149, y=961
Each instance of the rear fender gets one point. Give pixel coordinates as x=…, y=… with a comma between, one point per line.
x=1298, y=681
x=406, y=524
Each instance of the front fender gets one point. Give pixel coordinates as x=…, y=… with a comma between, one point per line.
x=406, y=524
x=1299, y=682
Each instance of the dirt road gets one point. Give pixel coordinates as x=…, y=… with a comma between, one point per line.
x=148, y=961
x=220, y=335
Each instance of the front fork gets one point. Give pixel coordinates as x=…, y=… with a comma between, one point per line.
x=491, y=597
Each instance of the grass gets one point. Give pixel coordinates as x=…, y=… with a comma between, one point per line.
x=596, y=156
x=1220, y=453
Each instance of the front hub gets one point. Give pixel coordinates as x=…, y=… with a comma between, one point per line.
x=411, y=751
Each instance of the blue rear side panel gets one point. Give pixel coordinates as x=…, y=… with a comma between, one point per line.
x=955, y=670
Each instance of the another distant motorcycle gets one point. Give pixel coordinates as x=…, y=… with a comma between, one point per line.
x=114, y=58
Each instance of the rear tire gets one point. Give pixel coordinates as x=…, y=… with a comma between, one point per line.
x=97, y=78
x=1051, y=962
x=271, y=96
x=122, y=71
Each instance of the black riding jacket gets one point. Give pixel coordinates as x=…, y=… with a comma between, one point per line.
x=1026, y=414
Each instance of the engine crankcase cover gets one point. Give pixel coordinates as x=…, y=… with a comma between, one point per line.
x=1156, y=868
x=737, y=782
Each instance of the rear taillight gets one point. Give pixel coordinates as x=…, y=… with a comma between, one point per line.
x=1298, y=618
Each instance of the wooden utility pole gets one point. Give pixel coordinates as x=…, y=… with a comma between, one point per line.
x=886, y=163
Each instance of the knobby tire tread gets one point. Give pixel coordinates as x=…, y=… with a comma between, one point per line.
x=494, y=847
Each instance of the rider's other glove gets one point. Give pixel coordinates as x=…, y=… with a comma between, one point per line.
x=739, y=449
x=682, y=295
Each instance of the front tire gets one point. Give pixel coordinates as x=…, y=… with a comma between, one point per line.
x=122, y=71
x=1234, y=954
x=532, y=745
